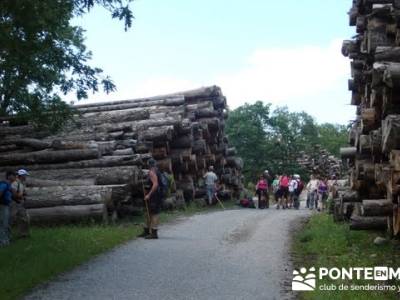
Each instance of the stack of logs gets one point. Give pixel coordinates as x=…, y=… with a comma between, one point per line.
x=96, y=166
x=374, y=155
x=321, y=162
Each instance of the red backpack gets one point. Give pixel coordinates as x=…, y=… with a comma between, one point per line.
x=284, y=181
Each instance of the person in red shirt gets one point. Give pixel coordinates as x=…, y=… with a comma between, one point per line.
x=262, y=192
x=284, y=187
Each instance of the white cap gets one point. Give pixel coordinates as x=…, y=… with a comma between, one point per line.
x=22, y=172
x=296, y=176
x=266, y=171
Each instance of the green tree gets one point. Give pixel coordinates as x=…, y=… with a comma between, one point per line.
x=275, y=140
x=247, y=131
x=43, y=56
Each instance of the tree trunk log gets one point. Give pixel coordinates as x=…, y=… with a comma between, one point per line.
x=66, y=214
x=368, y=223
x=38, y=197
x=348, y=152
x=41, y=157
x=380, y=207
x=390, y=133
x=106, y=161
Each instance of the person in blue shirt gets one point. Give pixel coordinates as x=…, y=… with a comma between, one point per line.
x=5, y=201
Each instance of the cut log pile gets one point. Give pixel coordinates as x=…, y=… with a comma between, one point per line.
x=321, y=162
x=374, y=152
x=96, y=166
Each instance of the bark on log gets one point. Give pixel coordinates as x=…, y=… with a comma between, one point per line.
x=34, y=144
x=128, y=104
x=160, y=153
x=348, y=152
x=38, y=197
x=66, y=214
x=199, y=147
x=368, y=223
x=351, y=196
x=34, y=182
x=380, y=207
x=106, y=161
x=164, y=133
x=390, y=133
x=102, y=176
x=387, y=54
x=184, y=141
x=117, y=116
x=46, y=156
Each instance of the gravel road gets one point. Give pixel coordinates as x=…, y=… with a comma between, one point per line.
x=233, y=254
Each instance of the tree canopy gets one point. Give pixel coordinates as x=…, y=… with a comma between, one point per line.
x=272, y=140
x=42, y=56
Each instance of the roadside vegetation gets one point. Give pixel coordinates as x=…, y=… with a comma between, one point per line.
x=323, y=243
x=51, y=251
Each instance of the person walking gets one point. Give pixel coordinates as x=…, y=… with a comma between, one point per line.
x=19, y=216
x=298, y=191
x=312, y=189
x=284, y=186
x=262, y=192
x=5, y=202
x=210, y=179
x=292, y=190
x=275, y=188
x=323, y=193
x=154, y=202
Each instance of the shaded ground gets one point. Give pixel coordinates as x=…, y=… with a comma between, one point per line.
x=233, y=254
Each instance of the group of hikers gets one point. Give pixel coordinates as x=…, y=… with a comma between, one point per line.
x=12, y=210
x=286, y=190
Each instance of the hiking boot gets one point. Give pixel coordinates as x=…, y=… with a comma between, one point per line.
x=145, y=233
x=153, y=235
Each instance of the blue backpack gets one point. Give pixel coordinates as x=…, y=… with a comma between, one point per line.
x=3, y=199
x=163, y=183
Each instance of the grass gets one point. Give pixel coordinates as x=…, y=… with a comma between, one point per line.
x=50, y=251
x=323, y=243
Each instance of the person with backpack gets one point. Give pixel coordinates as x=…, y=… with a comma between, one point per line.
x=154, y=198
x=5, y=202
x=284, y=191
x=262, y=192
x=19, y=216
x=298, y=191
x=292, y=190
x=275, y=188
x=312, y=189
x=323, y=192
x=210, y=179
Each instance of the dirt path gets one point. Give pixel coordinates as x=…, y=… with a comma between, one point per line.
x=235, y=254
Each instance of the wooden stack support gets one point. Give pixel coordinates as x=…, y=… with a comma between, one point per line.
x=374, y=140
x=95, y=163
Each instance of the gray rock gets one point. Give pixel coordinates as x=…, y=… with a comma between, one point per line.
x=380, y=241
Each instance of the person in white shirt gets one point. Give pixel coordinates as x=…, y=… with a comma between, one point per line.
x=292, y=190
x=312, y=189
x=210, y=178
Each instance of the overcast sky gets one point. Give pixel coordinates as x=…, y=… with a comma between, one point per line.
x=282, y=52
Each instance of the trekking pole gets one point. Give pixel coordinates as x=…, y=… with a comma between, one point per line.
x=220, y=202
x=145, y=202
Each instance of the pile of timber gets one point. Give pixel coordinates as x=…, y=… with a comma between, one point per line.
x=96, y=166
x=374, y=152
x=321, y=162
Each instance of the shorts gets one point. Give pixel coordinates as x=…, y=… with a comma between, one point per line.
x=284, y=191
x=155, y=204
x=278, y=194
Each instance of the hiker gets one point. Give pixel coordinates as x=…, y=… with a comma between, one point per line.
x=154, y=202
x=5, y=202
x=262, y=192
x=210, y=178
x=284, y=191
x=323, y=193
x=19, y=216
x=275, y=188
x=312, y=189
x=298, y=191
x=292, y=190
